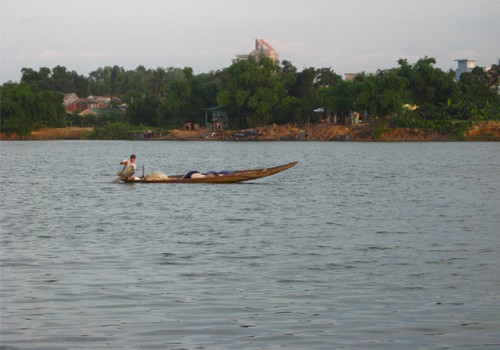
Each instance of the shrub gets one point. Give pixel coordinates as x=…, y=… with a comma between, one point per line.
x=113, y=131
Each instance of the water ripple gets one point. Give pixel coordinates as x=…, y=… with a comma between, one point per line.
x=362, y=246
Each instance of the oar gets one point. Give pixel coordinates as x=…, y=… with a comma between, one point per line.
x=118, y=178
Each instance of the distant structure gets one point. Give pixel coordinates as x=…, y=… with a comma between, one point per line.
x=465, y=65
x=350, y=76
x=262, y=48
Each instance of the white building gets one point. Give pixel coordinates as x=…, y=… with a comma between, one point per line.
x=465, y=65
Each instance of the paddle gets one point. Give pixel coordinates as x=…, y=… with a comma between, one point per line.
x=118, y=177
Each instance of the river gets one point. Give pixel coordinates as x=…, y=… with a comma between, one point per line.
x=360, y=246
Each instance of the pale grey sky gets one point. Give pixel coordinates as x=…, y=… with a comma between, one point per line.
x=346, y=35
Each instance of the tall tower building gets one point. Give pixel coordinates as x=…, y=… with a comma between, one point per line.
x=465, y=65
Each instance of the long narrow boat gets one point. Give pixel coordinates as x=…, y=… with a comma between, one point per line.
x=231, y=177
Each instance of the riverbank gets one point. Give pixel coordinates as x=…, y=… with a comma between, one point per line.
x=69, y=133
x=484, y=131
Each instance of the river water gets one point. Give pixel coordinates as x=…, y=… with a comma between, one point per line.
x=361, y=246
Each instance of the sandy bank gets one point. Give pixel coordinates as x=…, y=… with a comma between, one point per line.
x=69, y=133
x=484, y=131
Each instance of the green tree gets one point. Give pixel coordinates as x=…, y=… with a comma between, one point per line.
x=135, y=83
x=24, y=109
x=326, y=77
x=250, y=90
x=340, y=98
x=116, y=80
x=383, y=94
x=51, y=109
x=305, y=93
x=100, y=81
x=62, y=80
x=14, y=118
x=40, y=78
x=158, y=82
x=479, y=100
x=57, y=79
x=177, y=105
x=145, y=110
x=494, y=76
x=112, y=131
x=288, y=110
x=431, y=88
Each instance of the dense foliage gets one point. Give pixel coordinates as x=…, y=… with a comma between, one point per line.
x=112, y=131
x=255, y=92
x=24, y=107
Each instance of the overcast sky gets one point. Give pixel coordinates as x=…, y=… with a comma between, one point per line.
x=346, y=35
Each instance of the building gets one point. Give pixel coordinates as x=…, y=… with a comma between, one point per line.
x=350, y=76
x=465, y=65
x=216, y=118
x=262, y=48
x=70, y=98
x=75, y=104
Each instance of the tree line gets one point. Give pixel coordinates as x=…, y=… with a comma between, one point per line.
x=257, y=92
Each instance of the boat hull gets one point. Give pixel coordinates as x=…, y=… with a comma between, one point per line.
x=234, y=177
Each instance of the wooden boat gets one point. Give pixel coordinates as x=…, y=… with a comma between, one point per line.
x=231, y=177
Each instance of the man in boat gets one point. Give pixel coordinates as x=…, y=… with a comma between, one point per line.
x=129, y=168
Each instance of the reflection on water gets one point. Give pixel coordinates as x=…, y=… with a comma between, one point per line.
x=361, y=246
